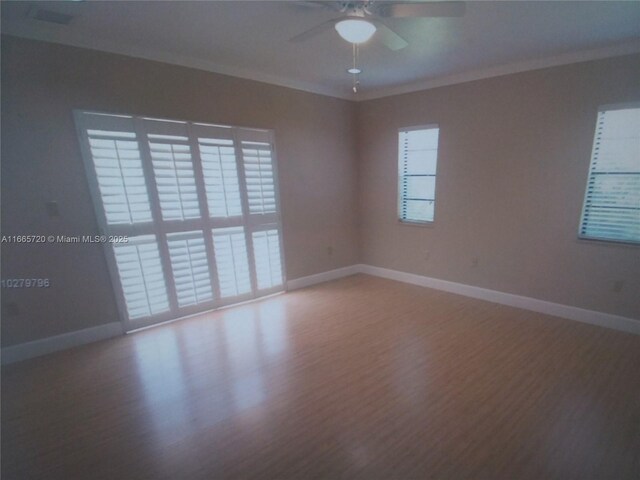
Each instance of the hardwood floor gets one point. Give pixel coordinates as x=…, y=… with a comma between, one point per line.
x=358, y=378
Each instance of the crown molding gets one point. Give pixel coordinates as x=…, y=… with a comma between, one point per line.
x=175, y=59
x=619, y=49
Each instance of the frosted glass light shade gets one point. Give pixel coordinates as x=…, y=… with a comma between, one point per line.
x=355, y=30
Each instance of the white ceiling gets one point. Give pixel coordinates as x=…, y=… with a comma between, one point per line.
x=251, y=40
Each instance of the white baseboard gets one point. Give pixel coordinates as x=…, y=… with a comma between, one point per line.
x=601, y=319
x=80, y=337
x=322, y=277
x=43, y=346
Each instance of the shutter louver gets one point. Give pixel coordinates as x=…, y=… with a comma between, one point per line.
x=190, y=267
x=612, y=199
x=258, y=172
x=266, y=248
x=141, y=276
x=118, y=167
x=417, y=153
x=220, y=177
x=232, y=263
x=173, y=169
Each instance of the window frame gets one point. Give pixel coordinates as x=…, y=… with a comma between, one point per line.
x=161, y=227
x=601, y=240
x=413, y=222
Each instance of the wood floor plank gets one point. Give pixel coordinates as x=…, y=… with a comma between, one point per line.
x=360, y=378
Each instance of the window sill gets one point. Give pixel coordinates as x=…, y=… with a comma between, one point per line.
x=606, y=242
x=410, y=223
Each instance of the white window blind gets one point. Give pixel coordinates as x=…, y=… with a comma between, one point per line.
x=417, y=161
x=199, y=205
x=266, y=246
x=141, y=276
x=612, y=199
x=232, y=262
x=190, y=267
x=259, y=177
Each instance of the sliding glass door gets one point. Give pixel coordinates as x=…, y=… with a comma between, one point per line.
x=189, y=211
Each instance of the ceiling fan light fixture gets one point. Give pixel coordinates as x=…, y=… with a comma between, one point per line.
x=354, y=71
x=355, y=30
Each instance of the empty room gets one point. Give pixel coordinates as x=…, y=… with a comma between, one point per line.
x=377, y=240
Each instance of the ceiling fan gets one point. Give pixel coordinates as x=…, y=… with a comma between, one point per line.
x=359, y=20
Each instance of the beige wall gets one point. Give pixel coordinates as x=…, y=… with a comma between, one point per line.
x=41, y=85
x=512, y=169
x=514, y=153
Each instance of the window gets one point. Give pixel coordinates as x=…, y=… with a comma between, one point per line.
x=198, y=206
x=417, y=160
x=611, y=208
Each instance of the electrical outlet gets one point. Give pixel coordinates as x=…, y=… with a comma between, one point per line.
x=618, y=285
x=426, y=256
x=329, y=250
x=474, y=262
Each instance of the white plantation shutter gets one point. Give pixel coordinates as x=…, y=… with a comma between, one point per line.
x=612, y=200
x=259, y=175
x=175, y=180
x=190, y=267
x=232, y=261
x=199, y=205
x=266, y=247
x=118, y=168
x=220, y=177
x=141, y=276
x=417, y=161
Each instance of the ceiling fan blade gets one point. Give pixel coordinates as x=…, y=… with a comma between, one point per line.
x=423, y=9
x=316, y=4
x=389, y=38
x=312, y=32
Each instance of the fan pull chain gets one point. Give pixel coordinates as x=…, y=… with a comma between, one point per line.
x=356, y=71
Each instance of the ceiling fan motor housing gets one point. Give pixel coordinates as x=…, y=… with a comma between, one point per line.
x=356, y=9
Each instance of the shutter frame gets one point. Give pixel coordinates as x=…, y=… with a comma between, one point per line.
x=147, y=131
